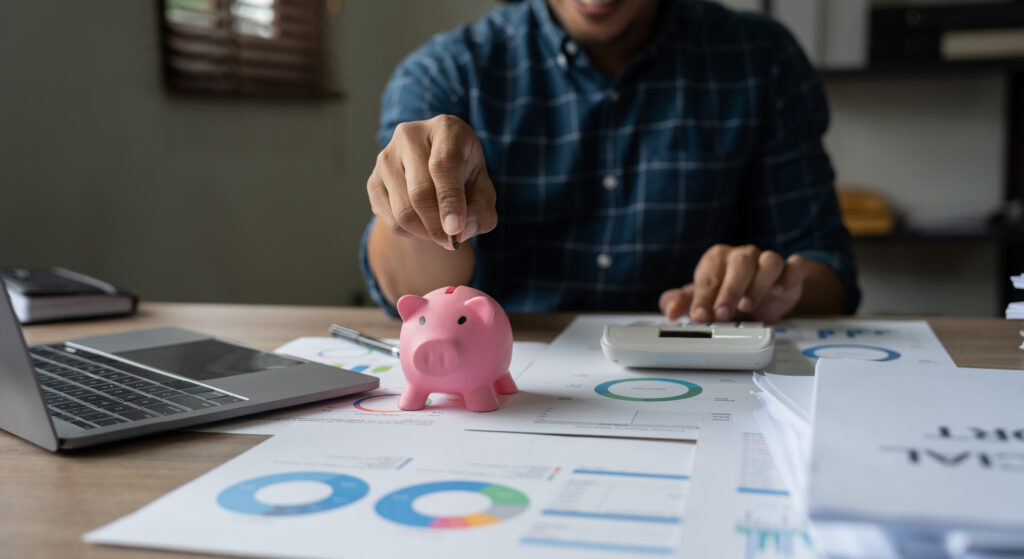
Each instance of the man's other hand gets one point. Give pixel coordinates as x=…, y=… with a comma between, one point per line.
x=431, y=181
x=744, y=282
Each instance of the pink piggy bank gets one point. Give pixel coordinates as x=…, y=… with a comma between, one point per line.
x=455, y=340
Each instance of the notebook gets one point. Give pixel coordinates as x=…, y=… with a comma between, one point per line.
x=46, y=294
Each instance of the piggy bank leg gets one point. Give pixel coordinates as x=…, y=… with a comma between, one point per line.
x=481, y=399
x=505, y=384
x=413, y=398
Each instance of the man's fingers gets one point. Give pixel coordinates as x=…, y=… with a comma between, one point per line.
x=388, y=185
x=740, y=268
x=403, y=213
x=668, y=304
x=380, y=203
x=793, y=274
x=452, y=144
x=674, y=302
x=769, y=269
x=423, y=199
x=784, y=293
x=422, y=181
x=707, y=279
x=481, y=214
x=422, y=192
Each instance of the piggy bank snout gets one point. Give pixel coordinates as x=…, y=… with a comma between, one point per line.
x=435, y=357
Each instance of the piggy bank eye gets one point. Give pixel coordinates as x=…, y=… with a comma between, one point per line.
x=423, y=320
x=462, y=320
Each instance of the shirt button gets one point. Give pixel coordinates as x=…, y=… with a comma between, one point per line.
x=613, y=95
x=604, y=261
x=570, y=48
x=561, y=60
x=610, y=182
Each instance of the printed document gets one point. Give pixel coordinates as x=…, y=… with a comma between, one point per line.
x=377, y=407
x=463, y=495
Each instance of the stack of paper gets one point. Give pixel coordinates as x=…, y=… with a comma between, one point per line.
x=901, y=460
x=1015, y=310
x=785, y=422
x=933, y=456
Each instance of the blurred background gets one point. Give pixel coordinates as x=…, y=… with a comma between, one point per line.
x=127, y=154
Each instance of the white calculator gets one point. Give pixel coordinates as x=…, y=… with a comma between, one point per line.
x=744, y=346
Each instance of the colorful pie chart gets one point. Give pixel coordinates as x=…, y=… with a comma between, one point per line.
x=505, y=503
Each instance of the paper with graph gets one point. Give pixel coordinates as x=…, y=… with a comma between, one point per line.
x=572, y=389
x=799, y=343
x=739, y=508
x=374, y=408
x=459, y=495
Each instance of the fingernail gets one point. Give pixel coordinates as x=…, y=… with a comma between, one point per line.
x=701, y=314
x=722, y=313
x=672, y=310
x=451, y=224
x=745, y=304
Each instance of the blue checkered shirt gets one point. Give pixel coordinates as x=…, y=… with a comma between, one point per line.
x=610, y=190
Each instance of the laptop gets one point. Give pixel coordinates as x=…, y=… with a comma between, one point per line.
x=100, y=389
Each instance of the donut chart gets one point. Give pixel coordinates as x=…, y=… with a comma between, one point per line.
x=361, y=404
x=852, y=351
x=505, y=503
x=604, y=389
x=241, y=497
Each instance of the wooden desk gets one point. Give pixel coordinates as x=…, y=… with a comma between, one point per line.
x=47, y=501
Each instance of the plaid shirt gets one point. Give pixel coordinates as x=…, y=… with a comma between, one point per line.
x=610, y=190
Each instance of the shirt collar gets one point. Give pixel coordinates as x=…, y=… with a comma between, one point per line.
x=550, y=29
x=555, y=35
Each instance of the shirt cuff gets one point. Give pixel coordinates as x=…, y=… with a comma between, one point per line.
x=844, y=269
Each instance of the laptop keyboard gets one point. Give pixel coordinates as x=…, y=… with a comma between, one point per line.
x=93, y=391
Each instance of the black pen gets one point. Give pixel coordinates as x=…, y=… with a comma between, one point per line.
x=362, y=339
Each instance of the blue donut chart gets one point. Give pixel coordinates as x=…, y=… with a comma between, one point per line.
x=604, y=389
x=505, y=503
x=888, y=354
x=241, y=497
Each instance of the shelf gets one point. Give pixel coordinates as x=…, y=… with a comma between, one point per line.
x=993, y=234
x=1008, y=233
x=925, y=68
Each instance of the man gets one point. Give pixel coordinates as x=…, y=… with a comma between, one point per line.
x=611, y=155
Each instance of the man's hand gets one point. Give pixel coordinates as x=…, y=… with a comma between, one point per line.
x=743, y=282
x=431, y=181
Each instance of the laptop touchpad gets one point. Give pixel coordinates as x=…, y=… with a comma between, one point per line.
x=207, y=359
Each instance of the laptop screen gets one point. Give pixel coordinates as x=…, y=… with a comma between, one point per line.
x=207, y=359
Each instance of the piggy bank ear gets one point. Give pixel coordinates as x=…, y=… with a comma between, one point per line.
x=409, y=304
x=482, y=307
